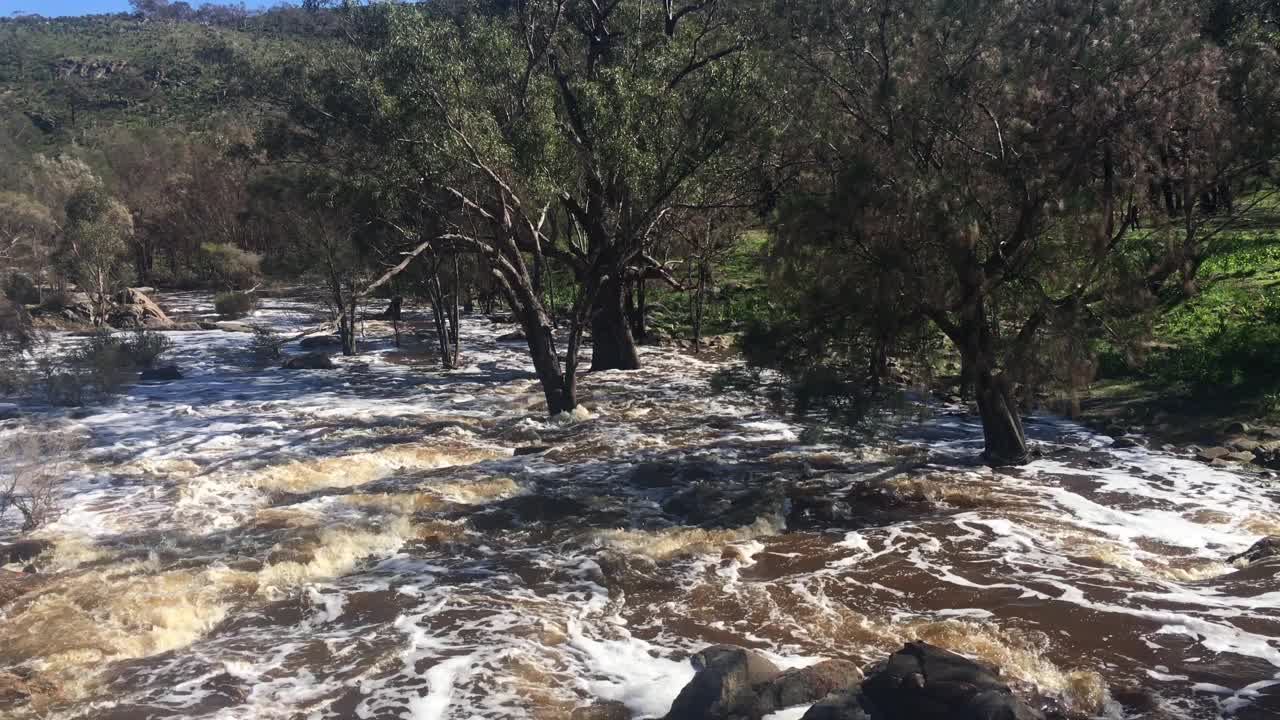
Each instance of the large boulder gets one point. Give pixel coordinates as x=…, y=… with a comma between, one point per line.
x=923, y=682
x=725, y=679
x=1267, y=547
x=133, y=309
x=76, y=307
x=310, y=361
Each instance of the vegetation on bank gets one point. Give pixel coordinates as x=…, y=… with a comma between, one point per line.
x=1017, y=194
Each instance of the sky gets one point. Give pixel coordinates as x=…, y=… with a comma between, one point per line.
x=58, y=8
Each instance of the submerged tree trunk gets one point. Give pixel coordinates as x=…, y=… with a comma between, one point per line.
x=613, y=347
x=1006, y=442
x=561, y=395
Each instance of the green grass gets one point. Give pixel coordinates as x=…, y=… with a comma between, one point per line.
x=1227, y=337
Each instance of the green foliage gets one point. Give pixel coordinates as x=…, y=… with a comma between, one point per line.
x=100, y=365
x=227, y=266
x=235, y=304
x=266, y=346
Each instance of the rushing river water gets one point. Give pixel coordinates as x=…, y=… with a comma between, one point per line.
x=387, y=540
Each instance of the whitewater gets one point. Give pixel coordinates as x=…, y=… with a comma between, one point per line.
x=390, y=540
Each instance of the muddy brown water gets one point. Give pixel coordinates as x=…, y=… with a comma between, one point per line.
x=255, y=543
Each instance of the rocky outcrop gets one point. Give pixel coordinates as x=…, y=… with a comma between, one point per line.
x=134, y=309
x=1267, y=547
x=923, y=682
x=310, y=361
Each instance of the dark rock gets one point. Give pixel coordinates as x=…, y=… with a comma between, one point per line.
x=514, y=336
x=24, y=551
x=805, y=685
x=318, y=342
x=164, y=373
x=923, y=682
x=838, y=706
x=1213, y=453
x=9, y=411
x=208, y=325
x=602, y=710
x=1121, y=443
x=531, y=450
x=1134, y=698
x=726, y=676
x=1238, y=428
x=1115, y=431
x=1270, y=433
x=310, y=361
x=1267, y=547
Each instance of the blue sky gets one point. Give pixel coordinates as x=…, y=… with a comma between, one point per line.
x=56, y=8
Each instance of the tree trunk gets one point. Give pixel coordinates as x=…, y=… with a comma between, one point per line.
x=347, y=327
x=612, y=345
x=560, y=395
x=1006, y=442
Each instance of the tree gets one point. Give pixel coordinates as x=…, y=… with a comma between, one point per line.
x=96, y=246
x=26, y=228
x=982, y=163
x=522, y=136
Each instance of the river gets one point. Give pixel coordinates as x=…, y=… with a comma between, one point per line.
x=387, y=540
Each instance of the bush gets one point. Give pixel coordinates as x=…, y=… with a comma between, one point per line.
x=21, y=289
x=234, y=304
x=103, y=363
x=266, y=345
x=29, y=481
x=227, y=266
x=144, y=347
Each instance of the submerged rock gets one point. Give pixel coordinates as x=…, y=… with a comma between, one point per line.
x=1267, y=547
x=602, y=710
x=924, y=682
x=163, y=373
x=317, y=342
x=310, y=361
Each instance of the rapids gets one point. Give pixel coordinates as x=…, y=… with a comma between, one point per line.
x=366, y=542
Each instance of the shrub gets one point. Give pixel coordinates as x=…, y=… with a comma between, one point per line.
x=29, y=481
x=266, y=345
x=234, y=304
x=144, y=347
x=103, y=363
x=225, y=265
x=21, y=289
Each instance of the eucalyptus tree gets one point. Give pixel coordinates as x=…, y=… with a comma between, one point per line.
x=979, y=166
x=558, y=130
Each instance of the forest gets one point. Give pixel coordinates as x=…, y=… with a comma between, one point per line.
x=708, y=311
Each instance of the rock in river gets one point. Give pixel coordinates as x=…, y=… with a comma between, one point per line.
x=310, y=361
x=923, y=682
x=1267, y=547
